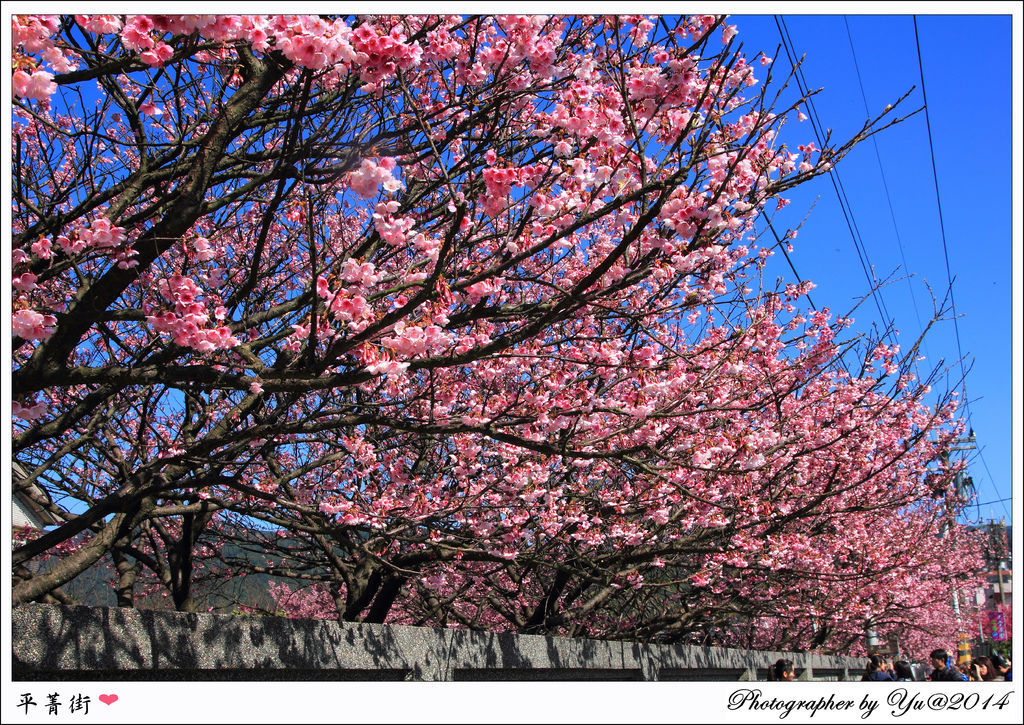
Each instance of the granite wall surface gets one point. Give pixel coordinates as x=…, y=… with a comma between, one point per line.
x=57, y=642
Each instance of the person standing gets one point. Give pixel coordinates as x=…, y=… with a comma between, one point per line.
x=1002, y=668
x=903, y=672
x=941, y=671
x=782, y=671
x=877, y=670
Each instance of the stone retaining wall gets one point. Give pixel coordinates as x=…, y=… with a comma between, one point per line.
x=56, y=642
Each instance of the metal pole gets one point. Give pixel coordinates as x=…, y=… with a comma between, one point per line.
x=963, y=643
x=870, y=637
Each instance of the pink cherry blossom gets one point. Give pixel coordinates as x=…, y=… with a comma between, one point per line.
x=39, y=85
x=29, y=412
x=42, y=248
x=32, y=325
x=25, y=282
x=373, y=174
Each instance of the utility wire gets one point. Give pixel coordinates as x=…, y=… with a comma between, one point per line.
x=992, y=481
x=945, y=246
x=844, y=203
x=999, y=500
x=885, y=185
x=785, y=253
x=840, y=190
x=847, y=210
x=942, y=226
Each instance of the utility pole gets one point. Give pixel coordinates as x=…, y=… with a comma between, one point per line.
x=999, y=563
x=961, y=483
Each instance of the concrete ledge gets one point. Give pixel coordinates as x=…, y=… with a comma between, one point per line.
x=56, y=642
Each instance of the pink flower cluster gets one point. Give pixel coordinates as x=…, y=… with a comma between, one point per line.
x=350, y=308
x=498, y=183
x=365, y=180
x=99, y=24
x=28, y=412
x=39, y=85
x=380, y=56
x=34, y=32
x=682, y=213
x=393, y=230
x=441, y=46
x=42, y=248
x=345, y=304
x=202, y=249
x=412, y=340
x=312, y=42
x=480, y=290
x=293, y=342
x=157, y=55
x=390, y=368
x=25, y=282
x=32, y=325
x=307, y=40
x=313, y=602
x=136, y=35
x=187, y=323
x=142, y=33
x=361, y=274
x=102, y=234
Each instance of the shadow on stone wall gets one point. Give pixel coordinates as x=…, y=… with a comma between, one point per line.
x=56, y=642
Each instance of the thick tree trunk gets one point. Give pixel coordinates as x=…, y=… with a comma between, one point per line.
x=385, y=599
x=127, y=575
x=547, y=605
x=363, y=588
x=70, y=567
x=55, y=596
x=180, y=561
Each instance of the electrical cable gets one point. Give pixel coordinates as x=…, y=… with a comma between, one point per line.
x=998, y=500
x=942, y=226
x=844, y=203
x=885, y=186
x=785, y=253
x=847, y=211
x=945, y=246
x=992, y=481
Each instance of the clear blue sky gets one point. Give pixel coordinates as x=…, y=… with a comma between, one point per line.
x=967, y=62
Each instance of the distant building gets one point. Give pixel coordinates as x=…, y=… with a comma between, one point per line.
x=26, y=511
x=995, y=597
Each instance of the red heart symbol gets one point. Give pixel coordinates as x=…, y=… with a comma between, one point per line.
x=108, y=699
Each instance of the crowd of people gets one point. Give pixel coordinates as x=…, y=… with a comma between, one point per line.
x=980, y=669
x=883, y=669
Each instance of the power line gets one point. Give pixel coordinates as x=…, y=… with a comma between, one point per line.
x=844, y=203
x=992, y=481
x=945, y=247
x=785, y=253
x=885, y=185
x=847, y=210
x=942, y=226
x=998, y=500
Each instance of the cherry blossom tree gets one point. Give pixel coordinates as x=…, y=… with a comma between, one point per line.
x=455, y=321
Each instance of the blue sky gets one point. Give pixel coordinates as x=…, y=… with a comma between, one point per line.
x=890, y=185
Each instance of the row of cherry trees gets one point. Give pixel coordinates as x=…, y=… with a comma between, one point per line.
x=453, y=321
